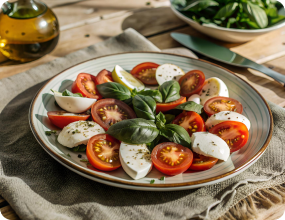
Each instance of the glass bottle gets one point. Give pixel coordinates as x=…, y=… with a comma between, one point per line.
x=28, y=30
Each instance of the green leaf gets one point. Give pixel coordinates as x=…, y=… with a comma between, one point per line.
x=271, y=12
x=114, y=90
x=199, y=5
x=176, y=134
x=152, y=181
x=49, y=133
x=162, y=178
x=134, y=131
x=230, y=22
x=179, y=4
x=226, y=11
x=155, y=94
x=79, y=148
x=144, y=107
x=160, y=120
x=128, y=101
x=276, y=20
x=256, y=14
x=169, y=118
x=190, y=106
x=170, y=91
x=68, y=93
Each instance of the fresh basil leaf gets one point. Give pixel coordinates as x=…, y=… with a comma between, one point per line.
x=155, y=94
x=190, y=106
x=169, y=118
x=176, y=134
x=160, y=120
x=79, y=148
x=170, y=91
x=134, y=131
x=144, y=107
x=68, y=93
x=128, y=101
x=199, y=5
x=48, y=133
x=256, y=14
x=114, y=90
x=227, y=10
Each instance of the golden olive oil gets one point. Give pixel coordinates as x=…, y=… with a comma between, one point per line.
x=28, y=31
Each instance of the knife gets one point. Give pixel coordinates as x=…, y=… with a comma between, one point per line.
x=224, y=55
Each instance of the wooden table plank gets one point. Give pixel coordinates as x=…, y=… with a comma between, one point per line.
x=86, y=12
x=9, y=213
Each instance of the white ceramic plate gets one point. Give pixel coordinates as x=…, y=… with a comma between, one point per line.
x=255, y=108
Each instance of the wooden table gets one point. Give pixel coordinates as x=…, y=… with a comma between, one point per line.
x=84, y=23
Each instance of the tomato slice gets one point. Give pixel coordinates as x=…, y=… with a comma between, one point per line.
x=86, y=85
x=164, y=107
x=191, y=83
x=234, y=133
x=219, y=103
x=191, y=121
x=107, y=112
x=103, y=152
x=103, y=77
x=171, y=158
x=201, y=162
x=63, y=118
x=145, y=72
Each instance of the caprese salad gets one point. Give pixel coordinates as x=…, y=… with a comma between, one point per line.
x=187, y=123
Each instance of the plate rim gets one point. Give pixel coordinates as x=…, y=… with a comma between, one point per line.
x=72, y=165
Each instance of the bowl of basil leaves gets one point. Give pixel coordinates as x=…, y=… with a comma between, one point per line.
x=232, y=21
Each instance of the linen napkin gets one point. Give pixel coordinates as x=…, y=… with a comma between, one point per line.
x=38, y=187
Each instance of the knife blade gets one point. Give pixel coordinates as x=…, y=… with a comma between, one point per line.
x=224, y=55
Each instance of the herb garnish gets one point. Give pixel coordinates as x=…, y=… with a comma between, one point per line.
x=48, y=133
x=152, y=181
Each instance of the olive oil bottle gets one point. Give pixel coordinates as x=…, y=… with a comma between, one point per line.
x=28, y=30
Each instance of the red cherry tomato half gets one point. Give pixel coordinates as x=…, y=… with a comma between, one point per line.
x=86, y=85
x=219, y=103
x=107, y=112
x=103, y=152
x=234, y=133
x=171, y=158
x=63, y=118
x=191, y=83
x=164, y=107
x=103, y=77
x=201, y=162
x=145, y=72
x=191, y=121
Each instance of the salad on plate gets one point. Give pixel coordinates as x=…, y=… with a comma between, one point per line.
x=153, y=117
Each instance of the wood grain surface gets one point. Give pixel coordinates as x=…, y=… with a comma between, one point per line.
x=86, y=22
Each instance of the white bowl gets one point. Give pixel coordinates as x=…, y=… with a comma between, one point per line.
x=227, y=34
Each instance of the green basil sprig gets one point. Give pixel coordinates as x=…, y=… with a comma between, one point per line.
x=134, y=131
x=169, y=118
x=144, y=107
x=155, y=94
x=114, y=90
x=170, y=91
x=176, y=134
x=190, y=106
x=160, y=120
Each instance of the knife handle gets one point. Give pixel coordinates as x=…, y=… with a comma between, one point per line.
x=269, y=72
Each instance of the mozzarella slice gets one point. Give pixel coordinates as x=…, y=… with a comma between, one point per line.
x=135, y=159
x=167, y=72
x=226, y=116
x=73, y=104
x=213, y=87
x=210, y=145
x=194, y=98
x=78, y=132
